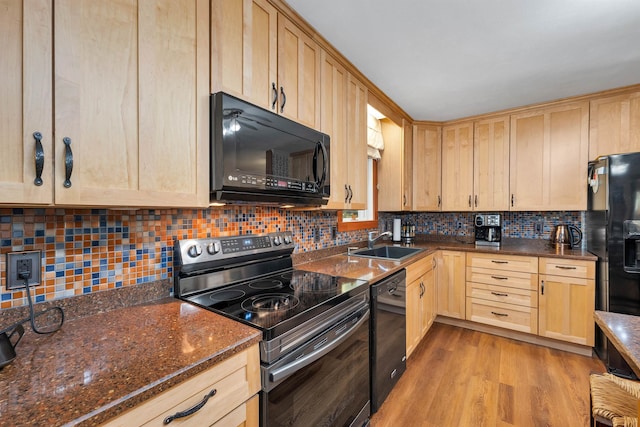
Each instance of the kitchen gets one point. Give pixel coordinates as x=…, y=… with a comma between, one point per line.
x=102, y=234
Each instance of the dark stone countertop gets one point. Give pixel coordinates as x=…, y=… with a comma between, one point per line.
x=371, y=269
x=623, y=330
x=96, y=367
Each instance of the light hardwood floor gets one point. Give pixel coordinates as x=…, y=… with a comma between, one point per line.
x=459, y=377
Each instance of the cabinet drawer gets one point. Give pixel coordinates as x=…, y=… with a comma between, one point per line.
x=503, y=262
x=518, y=318
x=235, y=379
x=567, y=267
x=419, y=268
x=245, y=415
x=512, y=279
x=492, y=293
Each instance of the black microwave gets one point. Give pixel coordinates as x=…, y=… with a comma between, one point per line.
x=262, y=157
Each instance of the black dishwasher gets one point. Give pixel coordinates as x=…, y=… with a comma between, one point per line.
x=388, y=336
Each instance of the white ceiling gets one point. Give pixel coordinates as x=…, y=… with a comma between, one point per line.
x=448, y=59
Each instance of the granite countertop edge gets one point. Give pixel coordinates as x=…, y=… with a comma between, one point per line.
x=139, y=396
x=170, y=342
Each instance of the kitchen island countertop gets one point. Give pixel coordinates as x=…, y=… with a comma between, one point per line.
x=96, y=367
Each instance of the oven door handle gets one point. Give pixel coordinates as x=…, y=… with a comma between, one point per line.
x=283, y=372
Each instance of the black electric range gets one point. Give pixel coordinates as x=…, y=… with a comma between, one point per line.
x=251, y=279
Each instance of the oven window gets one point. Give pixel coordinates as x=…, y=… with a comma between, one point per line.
x=329, y=392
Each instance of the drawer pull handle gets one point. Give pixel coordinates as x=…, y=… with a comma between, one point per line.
x=499, y=314
x=499, y=294
x=191, y=410
x=499, y=262
x=565, y=267
x=499, y=277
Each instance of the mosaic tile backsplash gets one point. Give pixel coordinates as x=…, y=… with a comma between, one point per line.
x=514, y=224
x=89, y=250
x=85, y=251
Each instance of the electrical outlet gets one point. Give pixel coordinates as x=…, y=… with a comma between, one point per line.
x=334, y=233
x=539, y=226
x=316, y=234
x=28, y=263
x=459, y=225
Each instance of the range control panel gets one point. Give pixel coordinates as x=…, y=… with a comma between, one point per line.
x=194, y=251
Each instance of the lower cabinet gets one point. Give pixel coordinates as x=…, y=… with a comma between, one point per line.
x=502, y=291
x=236, y=382
x=567, y=300
x=420, y=300
x=450, y=291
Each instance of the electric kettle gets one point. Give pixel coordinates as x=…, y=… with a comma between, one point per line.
x=566, y=235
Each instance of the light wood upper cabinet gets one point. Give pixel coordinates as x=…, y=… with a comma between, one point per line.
x=26, y=93
x=614, y=125
x=356, y=144
x=397, y=152
x=333, y=115
x=244, y=50
x=344, y=119
x=549, y=149
x=491, y=164
x=457, y=167
x=260, y=55
x=407, y=169
x=427, y=163
x=298, y=74
x=131, y=86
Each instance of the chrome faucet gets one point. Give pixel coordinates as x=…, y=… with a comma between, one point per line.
x=371, y=241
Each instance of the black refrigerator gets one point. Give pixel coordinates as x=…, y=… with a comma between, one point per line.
x=613, y=234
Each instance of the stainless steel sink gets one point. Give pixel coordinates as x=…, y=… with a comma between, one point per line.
x=395, y=253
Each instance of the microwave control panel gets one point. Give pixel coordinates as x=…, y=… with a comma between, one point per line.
x=272, y=182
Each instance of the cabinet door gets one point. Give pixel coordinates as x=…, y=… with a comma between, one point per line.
x=391, y=175
x=451, y=286
x=566, y=309
x=333, y=122
x=614, y=125
x=414, y=314
x=298, y=74
x=549, y=150
x=491, y=164
x=132, y=95
x=428, y=301
x=25, y=90
x=426, y=168
x=244, y=50
x=357, y=143
x=407, y=169
x=457, y=167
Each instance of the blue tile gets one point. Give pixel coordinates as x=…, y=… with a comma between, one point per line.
x=86, y=290
x=77, y=271
x=6, y=297
x=39, y=233
x=59, y=273
x=39, y=298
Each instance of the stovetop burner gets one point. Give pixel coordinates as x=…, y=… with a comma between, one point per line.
x=266, y=284
x=226, y=295
x=270, y=302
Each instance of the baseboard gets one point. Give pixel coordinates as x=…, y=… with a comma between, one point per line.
x=520, y=336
